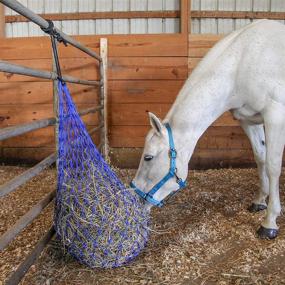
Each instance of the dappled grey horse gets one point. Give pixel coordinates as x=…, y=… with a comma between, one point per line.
x=243, y=73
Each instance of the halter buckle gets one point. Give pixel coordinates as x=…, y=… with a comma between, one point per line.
x=172, y=153
x=178, y=180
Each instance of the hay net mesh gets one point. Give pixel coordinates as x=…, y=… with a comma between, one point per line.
x=98, y=220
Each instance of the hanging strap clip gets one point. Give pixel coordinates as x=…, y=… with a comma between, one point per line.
x=55, y=36
x=53, y=32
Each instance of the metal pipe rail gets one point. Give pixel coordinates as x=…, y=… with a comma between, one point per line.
x=21, y=179
x=20, y=272
x=92, y=131
x=19, y=8
x=90, y=110
x=9, y=132
x=14, y=131
x=25, y=220
x=13, y=184
x=23, y=70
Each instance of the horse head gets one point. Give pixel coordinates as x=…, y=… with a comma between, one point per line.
x=163, y=169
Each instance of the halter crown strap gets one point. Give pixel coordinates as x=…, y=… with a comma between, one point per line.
x=171, y=173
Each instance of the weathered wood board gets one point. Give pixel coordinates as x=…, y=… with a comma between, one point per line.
x=145, y=73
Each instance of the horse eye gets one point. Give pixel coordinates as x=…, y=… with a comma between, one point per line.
x=148, y=157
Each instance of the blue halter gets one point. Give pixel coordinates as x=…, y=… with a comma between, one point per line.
x=171, y=173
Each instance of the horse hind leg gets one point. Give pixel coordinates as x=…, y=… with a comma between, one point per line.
x=256, y=137
x=274, y=122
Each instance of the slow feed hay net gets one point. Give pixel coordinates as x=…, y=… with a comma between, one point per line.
x=98, y=220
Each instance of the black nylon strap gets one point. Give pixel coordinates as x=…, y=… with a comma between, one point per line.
x=55, y=36
x=56, y=59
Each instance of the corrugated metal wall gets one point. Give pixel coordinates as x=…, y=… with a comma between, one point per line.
x=85, y=27
x=137, y=26
x=224, y=26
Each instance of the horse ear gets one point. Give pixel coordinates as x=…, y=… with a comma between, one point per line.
x=155, y=123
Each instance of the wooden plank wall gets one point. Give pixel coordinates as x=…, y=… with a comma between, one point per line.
x=24, y=99
x=224, y=143
x=145, y=72
x=2, y=21
x=103, y=24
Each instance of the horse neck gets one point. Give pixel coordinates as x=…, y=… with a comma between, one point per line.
x=197, y=106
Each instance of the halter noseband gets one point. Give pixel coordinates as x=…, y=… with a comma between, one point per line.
x=171, y=173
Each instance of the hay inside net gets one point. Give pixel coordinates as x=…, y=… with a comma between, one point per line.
x=98, y=220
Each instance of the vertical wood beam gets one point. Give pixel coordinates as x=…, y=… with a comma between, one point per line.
x=184, y=16
x=2, y=21
x=189, y=33
x=185, y=27
x=104, y=96
x=189, y=17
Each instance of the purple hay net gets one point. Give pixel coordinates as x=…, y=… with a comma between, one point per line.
x=98, y=220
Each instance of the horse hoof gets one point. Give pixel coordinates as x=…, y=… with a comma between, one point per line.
x=253, y=208
x=265, y=233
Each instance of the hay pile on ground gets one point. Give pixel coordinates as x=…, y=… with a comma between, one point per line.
x=99, y=224
x=204, y=236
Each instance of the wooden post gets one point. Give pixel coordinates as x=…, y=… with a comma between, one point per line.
x=185, y=22
x=184, y=16
x=103, y=96
x=2, y=21
x=189, y=18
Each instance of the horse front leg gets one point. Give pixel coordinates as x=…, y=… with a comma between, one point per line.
x=256, y=137
x=274, y=122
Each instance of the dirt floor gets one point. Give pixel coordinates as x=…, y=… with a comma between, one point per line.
x=204, y=236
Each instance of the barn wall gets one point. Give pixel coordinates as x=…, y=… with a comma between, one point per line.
x=100, y=26
x=224, y=143
x=145, y=73
x=224, y=26
x=139, y=26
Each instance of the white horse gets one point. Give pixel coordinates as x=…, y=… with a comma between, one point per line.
x=243, y=73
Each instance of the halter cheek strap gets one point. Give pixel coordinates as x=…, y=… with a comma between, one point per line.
x=171, y=173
